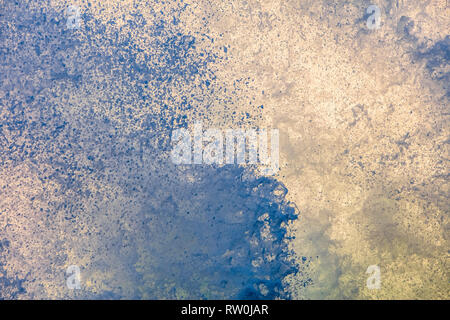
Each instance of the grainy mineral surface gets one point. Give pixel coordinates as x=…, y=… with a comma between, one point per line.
x=87, y=107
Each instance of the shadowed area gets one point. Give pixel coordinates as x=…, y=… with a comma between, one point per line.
x=86, y=178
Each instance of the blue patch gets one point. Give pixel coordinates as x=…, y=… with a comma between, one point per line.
x=217, y=236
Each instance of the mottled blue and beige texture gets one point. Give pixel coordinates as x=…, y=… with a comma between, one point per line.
x=86, y=179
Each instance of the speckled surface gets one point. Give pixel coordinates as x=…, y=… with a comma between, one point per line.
x=85, y=171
